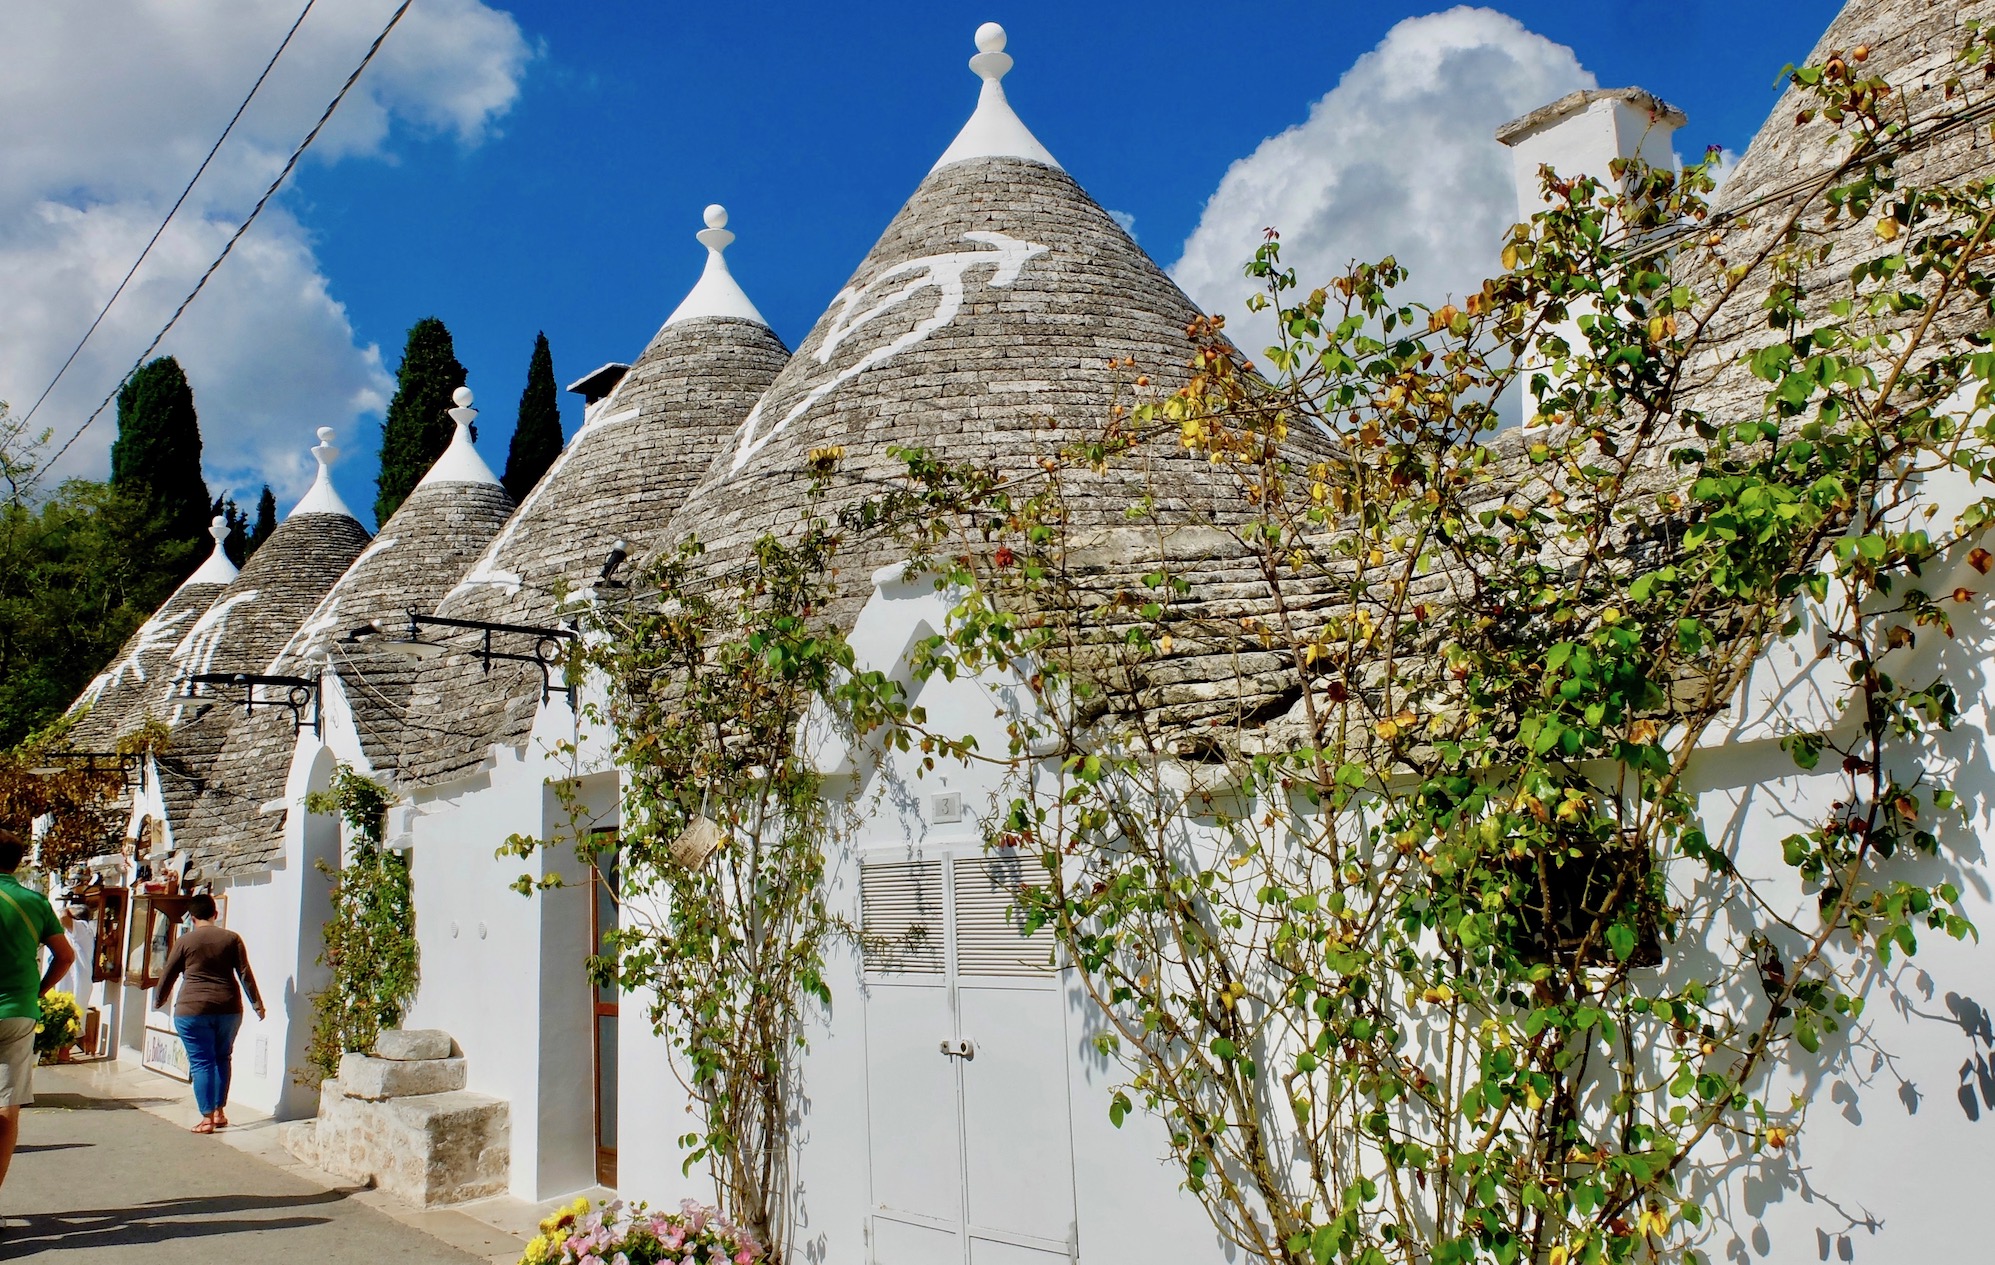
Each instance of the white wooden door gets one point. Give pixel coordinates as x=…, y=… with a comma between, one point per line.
x=971, y=1148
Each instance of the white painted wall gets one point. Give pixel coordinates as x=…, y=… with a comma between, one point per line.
x=503, y=973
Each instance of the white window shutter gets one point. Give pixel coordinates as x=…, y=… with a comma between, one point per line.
x=900, y=915
x=988, y=922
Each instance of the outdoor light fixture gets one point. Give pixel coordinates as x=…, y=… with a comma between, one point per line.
x=409, y=643
x=300, y=693
x=618, y=552
x=91, y=762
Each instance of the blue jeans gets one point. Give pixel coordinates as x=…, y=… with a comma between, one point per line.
x=211, y=1043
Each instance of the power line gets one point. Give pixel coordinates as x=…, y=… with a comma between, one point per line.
x=171, y=212
x=230, y=245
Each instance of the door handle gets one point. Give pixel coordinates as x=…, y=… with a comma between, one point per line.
x=959, y=1048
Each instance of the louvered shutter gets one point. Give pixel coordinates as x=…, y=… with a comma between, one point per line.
x=988, y=938
x=900, y=914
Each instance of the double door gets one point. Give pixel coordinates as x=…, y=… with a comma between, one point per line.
x=971, y=1149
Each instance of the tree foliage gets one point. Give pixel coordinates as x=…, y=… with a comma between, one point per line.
x=80, y=570
x=156, y=459
x=418, y=427
x=370, y=941
x=537, y=434
x=265, y=524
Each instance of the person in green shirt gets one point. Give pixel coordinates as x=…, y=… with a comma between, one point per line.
x=27, y=926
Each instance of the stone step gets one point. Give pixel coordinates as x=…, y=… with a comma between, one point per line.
x=428, y=1150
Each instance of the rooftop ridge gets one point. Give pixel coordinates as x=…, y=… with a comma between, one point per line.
x=716, y=293
x=994, y=130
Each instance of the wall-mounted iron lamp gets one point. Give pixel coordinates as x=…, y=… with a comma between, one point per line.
x=301, y=694
x=404, y=637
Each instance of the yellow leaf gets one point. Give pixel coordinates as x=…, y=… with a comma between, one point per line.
x=1887, y=227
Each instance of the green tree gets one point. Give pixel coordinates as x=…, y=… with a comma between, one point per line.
x=266, y=521
x=235, y=545
x=537, y=435
x=156, y=459
x=418, y=428
x=77, y=575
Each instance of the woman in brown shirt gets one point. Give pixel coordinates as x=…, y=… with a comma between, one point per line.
x=209, y=1010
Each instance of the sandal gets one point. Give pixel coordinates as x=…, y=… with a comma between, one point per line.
x=206, y=1126
x=221, y=1121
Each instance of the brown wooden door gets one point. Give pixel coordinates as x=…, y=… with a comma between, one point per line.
x=602, y=921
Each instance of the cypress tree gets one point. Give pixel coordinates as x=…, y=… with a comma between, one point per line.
x=266, y=521
x=235, y=545
x=537, y=435
x=418, y=428
x=156, y=459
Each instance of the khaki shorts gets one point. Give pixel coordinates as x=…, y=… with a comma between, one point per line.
x=17, y=1062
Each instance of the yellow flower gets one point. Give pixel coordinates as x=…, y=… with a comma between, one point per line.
x=1557, y=1256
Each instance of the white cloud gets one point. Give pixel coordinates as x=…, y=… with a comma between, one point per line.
x=1126, y=220
x=110, y=107
x=1400, y=158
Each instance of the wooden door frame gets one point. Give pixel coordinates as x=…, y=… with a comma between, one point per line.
x=606, y=1157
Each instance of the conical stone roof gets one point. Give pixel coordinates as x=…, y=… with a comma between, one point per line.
x=446, y=520
x=641, y=449
x=1913, y=45
x=244, y=629
x=127, y=692
x=981, y=327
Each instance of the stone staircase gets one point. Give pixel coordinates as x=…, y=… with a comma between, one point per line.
x=402, y=1120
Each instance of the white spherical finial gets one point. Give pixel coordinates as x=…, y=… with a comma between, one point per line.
x=716, y=216
x=990, y=38
x=219, y=529
x=461, y=397
x=325, y=434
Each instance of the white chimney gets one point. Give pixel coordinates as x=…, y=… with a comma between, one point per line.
x=1582, y=133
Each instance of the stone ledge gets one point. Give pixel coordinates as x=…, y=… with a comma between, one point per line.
x=404, y=1045
x=375, y=1079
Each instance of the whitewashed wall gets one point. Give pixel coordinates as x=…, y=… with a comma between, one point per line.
x=503, y=973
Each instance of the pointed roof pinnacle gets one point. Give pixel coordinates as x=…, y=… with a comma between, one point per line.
x=716, y=293
x=217, y=569
x=460, y=463
x=993, y=131
x=320, y=497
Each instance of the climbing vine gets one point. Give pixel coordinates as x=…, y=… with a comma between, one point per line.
x=1374, y=814
x=725, y=827
x=370, y=940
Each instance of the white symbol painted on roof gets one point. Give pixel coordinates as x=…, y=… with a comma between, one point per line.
x=309, y=641
x=854, y=309
x=196, y=651
x=159, y=632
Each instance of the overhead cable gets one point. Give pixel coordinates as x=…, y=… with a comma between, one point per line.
x=230, y=245
x=171, y=212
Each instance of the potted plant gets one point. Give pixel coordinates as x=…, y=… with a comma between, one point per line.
x=61, y=1024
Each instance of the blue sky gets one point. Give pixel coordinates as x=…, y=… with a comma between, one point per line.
x=569, y=205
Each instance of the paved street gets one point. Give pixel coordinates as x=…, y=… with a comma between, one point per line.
x=107, y=1172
